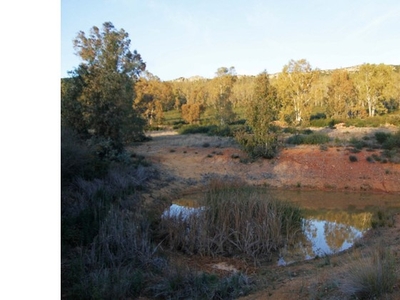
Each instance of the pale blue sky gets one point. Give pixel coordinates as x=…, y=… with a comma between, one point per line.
x=186, y=38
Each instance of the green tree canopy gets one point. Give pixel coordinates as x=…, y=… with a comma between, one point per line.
x=107, y=73
x=341, y=95
x=374, y=83
x=264, y=108
x=220, y=93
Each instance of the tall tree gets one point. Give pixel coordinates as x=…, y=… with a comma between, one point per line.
x=71, y=108
x=108, y=72
x=265, y=106
x=243, y=91
x=373, y=83
x=191, y=112
x=153, y=97
x=341, y=95
x=260, y=113
x=221, y=89
x=294, y=85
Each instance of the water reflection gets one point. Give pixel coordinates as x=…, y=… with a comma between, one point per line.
x=180, y=211
x=333, y=220
x=320, y=238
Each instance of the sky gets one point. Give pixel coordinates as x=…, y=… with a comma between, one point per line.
x=184, y=38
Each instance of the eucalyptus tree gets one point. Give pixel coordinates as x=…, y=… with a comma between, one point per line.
x=153, y=97
x=373, y=83
x=394, y=102
x=108, y=72
x=243, y=91
x=341, y=95
x=220, y=93
x=294, y=85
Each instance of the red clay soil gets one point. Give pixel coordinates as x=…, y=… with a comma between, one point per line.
x=304, y=166
x=187, y=163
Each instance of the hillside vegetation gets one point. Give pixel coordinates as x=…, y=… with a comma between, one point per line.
x=115, y=243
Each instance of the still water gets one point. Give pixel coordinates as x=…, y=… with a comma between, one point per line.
x=333, y=221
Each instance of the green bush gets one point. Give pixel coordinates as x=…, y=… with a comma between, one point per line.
x=311, y=139
x=291, y=130
x=297, y=139
x=353, y=158
x=220, y=131
x=212, y=130
x=266, y=147
x=358, y=144
x=79, y=159
x=381, y=137
x=392, y=142
x=192, y=129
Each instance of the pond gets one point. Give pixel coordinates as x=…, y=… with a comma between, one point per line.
x=333, y=221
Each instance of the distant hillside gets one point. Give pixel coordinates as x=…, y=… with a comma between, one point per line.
x=327, y=71
x=193, y=78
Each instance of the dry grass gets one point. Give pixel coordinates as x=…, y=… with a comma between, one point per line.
x=235, y=220
x=370, y=275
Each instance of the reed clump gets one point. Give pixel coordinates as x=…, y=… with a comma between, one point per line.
x=235, y=219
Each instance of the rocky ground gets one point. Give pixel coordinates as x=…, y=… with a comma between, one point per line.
x=187, y=162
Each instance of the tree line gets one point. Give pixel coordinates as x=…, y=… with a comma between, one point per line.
x=296, y=94
x=112, y=95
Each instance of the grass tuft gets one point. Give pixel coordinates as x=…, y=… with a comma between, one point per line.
x=371, y=275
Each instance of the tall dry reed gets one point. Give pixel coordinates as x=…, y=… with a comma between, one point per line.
x=235, y=220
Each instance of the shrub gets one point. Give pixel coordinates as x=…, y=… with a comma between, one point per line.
x=358, y=144
x=371, y=276
x=353, y=158
x=78, y=159
x=220, y=131
x=291, y=130
x=317, y=139
x=113, y=266
x=307, y=131
x=311, y=139
x=297, y=139
x=318, y=116
x=376, y=157
x=191, y=129
x=381, y=137
x=266, y=147
x=320, y=122
x=392, y=141
x=181, y=283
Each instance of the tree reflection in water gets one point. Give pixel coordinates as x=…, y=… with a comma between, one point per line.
x=326, y=233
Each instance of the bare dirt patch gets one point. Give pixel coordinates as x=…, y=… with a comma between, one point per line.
x=192, y=159
x=187, y=162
